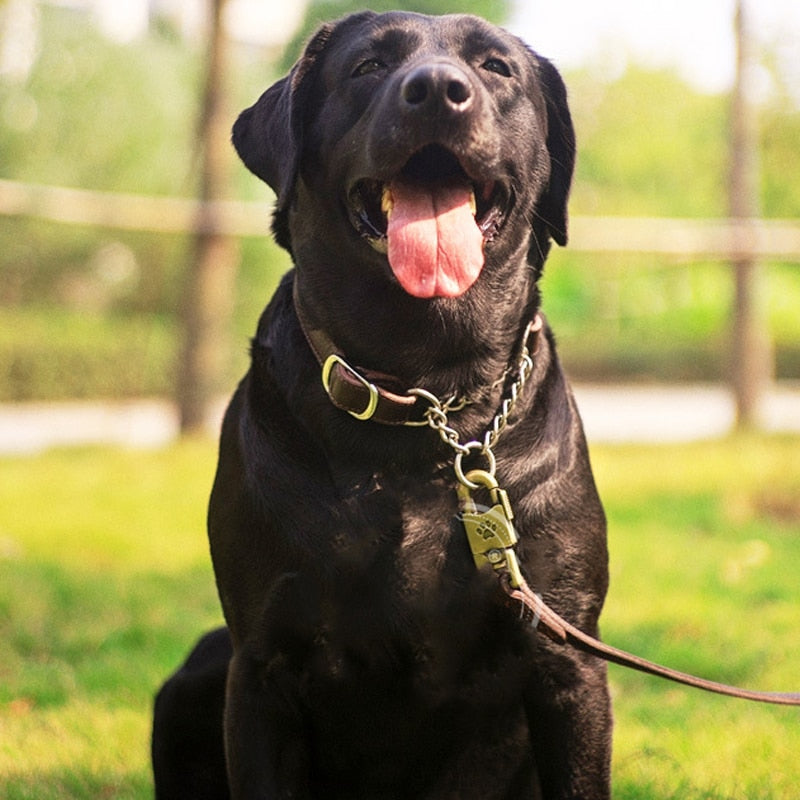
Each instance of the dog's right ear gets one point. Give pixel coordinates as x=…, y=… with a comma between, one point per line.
x=268, y=136
x=561, y=147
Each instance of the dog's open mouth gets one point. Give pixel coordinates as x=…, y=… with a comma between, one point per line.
x=432, y=220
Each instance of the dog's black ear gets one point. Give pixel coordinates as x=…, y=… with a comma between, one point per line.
x=552, y=206
x=264, y=138
x=268, y=136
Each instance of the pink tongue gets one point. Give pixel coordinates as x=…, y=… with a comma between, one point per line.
x=435, y=246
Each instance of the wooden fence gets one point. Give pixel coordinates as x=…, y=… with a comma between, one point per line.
x=735, y=241
x=688, y=238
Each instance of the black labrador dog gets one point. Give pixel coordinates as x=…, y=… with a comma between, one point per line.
x=422, y=167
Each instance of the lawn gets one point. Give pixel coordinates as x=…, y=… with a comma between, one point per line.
x=105, y=581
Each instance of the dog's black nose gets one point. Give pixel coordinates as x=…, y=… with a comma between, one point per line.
x=437, y=86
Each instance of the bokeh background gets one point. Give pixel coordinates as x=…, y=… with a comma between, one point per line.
x=110, y=97
x=135, y=260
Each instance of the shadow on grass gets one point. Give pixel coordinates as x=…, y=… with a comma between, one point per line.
x=76, y=784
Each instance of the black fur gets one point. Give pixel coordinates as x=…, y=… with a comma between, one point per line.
x=371, y=659
x=187, y=749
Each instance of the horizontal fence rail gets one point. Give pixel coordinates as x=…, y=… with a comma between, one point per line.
x=133, y=212
x=689, y=238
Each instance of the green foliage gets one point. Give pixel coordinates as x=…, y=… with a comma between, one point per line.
x=106, y=584
x=646, y=318
x=102, y=116
x=780, y=189
x=92, y=312
x=98, y=115
x=119, y=118
x=648, y=145
x=48, y=352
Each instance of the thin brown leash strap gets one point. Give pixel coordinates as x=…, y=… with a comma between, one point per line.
x=562, y=632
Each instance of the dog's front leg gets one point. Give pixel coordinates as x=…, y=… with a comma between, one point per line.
x=265, y=747
x=571, y=733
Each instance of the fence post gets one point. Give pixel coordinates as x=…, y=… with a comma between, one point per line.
x=209, y=284
x=751, y=357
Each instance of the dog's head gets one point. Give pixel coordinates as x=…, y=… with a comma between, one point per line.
x=436, y=148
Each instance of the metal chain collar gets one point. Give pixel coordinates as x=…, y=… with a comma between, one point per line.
x=436, y=416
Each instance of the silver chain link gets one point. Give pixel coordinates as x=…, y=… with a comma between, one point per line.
x=436, y=417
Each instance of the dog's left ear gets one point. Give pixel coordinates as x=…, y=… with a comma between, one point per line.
x=552, y=206
x=268, y=136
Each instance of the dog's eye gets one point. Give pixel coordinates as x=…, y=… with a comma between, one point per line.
x=368, y=66
x=498, y=66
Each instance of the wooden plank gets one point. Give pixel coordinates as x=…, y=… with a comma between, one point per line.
x=133, y=212
x=688, y=238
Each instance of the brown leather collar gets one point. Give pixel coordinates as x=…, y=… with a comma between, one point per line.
x=362, y=392
x=355, y=391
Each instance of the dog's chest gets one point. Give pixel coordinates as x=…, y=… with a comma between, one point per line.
x=398, y=602
x=401, y=535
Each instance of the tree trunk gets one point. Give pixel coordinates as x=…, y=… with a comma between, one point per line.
x=209, y=284
x=751, y=367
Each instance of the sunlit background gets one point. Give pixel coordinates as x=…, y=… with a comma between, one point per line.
x=105, y=96
x=120, y=198
x=694, y=38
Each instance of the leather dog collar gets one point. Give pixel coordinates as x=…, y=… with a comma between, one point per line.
x=353, y=390
x=362, y=392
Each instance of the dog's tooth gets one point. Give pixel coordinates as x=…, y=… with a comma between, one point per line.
x=387, y=204
x=473, y=203
x=381, y=245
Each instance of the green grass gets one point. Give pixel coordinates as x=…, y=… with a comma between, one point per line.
x=705, y=545
x=105, y=581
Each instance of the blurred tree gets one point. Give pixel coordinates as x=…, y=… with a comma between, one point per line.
x=97, y=115
x=208, y=297
x=751, y=357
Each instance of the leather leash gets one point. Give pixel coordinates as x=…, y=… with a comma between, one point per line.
x=546, y=621
x=355, y=391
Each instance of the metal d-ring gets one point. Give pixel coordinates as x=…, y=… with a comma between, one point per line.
x=372, y=402
x=465, y=450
